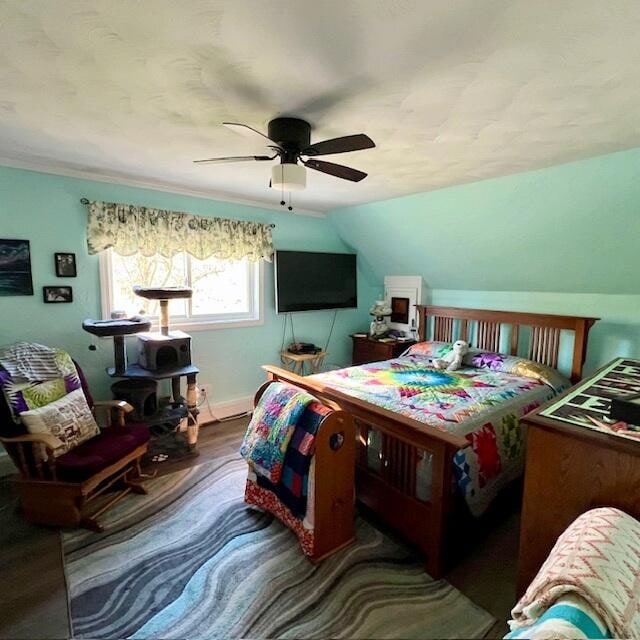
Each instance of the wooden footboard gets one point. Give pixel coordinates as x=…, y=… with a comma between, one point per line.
x=390, y=488
x=388, y=482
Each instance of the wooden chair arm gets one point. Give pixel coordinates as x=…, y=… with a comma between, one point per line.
x=121, y=406
x=48, y=440
x=38, y=461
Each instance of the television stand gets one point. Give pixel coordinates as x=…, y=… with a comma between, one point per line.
x=298, y=362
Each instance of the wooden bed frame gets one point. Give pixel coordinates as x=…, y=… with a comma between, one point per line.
x=391, y=494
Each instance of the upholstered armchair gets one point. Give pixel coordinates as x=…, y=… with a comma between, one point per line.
x=72, y=486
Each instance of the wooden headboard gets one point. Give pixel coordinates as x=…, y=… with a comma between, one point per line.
x=489, y=330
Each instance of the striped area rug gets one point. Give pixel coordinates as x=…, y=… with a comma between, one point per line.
x=191, y=560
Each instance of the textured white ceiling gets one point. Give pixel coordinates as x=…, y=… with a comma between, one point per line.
x=451, y=92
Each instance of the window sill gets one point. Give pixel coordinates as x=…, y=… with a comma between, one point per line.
x=207, y=325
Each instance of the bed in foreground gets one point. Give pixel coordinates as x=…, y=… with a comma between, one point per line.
x=418, y=429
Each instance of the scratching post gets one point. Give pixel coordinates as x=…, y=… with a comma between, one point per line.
x=164, y=317
x=192, y=409
x=119, y=354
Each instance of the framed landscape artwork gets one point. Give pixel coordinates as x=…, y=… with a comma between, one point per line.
x=15, y=268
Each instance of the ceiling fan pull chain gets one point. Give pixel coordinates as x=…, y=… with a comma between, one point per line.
x=290, y=207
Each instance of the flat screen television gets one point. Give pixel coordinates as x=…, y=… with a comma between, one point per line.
x=309, y=281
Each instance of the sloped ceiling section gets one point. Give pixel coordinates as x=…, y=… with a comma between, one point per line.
x=570, y=229
x=452, y=92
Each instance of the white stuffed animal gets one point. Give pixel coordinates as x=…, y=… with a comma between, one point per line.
x=453, y=359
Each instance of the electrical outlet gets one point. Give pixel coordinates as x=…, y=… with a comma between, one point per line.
x=204, y=403
x=204, y=391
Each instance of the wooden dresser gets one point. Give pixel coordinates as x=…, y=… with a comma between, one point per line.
x=571, y=469
x=367, y=350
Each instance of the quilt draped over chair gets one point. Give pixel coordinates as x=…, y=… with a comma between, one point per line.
x=130, y=229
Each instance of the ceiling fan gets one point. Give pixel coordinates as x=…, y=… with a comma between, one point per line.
x=290, y=141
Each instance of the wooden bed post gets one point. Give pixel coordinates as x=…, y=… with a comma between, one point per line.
x=583, y=325
x=422, y=324
x=441, y=501
x=334, y=484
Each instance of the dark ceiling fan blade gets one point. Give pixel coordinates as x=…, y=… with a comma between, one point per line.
x=337, y=170
x=339, y=145
x=246, y=130
x=225, y=159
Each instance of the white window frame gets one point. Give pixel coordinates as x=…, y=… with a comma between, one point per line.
x=253, y=318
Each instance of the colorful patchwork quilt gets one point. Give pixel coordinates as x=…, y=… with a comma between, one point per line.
x=482, y=403
x=292, y=490
x=271, y=428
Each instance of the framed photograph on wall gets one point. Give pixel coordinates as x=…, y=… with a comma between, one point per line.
x=65, y=265
x=15, y=268
x=57, y=294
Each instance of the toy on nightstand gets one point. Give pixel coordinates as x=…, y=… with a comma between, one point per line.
x=453, y=360
x=379, y=326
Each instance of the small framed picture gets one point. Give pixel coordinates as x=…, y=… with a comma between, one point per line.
x=66, y=265
x=57, y=294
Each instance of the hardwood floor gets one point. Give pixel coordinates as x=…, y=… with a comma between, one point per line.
x=33, y=599
x=33, y=602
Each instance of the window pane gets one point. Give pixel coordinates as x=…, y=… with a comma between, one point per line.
x=156, y=271
x=220, y=286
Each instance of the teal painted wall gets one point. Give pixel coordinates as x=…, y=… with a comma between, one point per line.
x=560, y=240
x=46, y=210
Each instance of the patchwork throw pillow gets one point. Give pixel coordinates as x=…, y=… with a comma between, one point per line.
x=430, y=348
x=68, y=419
x=517, y=366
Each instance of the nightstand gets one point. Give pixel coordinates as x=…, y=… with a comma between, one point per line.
x=367, y=350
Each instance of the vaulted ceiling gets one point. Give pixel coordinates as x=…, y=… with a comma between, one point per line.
x=451, y=92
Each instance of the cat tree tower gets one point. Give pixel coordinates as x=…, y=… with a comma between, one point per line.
x=162, y=355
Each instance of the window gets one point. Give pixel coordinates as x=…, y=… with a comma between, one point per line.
x=225, y=292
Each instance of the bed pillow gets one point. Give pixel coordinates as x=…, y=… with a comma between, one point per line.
x=517, y=366
x=429, y=348
x=68, y=419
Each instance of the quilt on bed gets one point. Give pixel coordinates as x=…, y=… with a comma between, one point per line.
x=481, y=403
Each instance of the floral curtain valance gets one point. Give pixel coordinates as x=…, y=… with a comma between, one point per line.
x=130, y=229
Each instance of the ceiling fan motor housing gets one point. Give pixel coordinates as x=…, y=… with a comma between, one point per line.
x=292, y=134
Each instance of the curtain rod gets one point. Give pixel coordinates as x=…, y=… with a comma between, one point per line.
x=86, y=201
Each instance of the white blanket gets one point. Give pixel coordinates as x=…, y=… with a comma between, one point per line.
x=597, y=559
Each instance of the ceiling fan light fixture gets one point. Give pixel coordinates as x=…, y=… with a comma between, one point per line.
x=288, y=177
